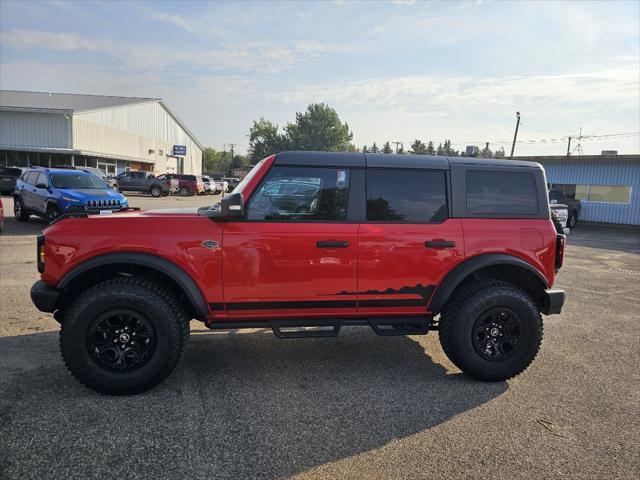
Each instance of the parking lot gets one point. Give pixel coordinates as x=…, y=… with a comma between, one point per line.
x=247, y=405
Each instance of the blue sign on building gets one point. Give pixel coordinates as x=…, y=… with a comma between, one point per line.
x=180, y=150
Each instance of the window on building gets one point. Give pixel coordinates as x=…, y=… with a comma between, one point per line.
x=301, y=194
x=609, y=193
x=406, y=196
x=501, y=193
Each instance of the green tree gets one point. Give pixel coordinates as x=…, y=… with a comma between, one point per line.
x=319, y=128
x=418, y=148
x=265, y=140
x=386, y=148
x=374, y=148
x=216, y=162
x=400, y=150
x=440, y=150
x=486, y=152
x=365, y=149
x=499, y=153
x=430, y=149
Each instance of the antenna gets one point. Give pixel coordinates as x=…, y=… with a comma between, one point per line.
x=578, y=146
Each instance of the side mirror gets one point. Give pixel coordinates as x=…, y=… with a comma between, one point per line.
x=232, y=206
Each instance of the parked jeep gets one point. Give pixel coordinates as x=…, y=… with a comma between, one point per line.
x=309, y=243
x=144, y=182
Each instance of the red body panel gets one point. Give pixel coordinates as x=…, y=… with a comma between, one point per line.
x=281, y=262
x=75, y=240
x=534, y=241
x=395, y=267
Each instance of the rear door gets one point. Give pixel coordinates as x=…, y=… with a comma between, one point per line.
x=296, y=252
x=407, y=243
x=40, y=195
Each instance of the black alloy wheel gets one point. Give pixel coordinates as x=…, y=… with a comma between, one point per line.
x=496, y=334
x=121, y=340
x=52, y=214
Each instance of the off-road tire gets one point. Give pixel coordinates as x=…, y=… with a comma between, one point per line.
x=156, y=191
x=21, y=213
x=457, y=327
x=160, y=308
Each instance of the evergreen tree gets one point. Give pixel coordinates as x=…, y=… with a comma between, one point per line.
x=418, y=148
x=400, y=150
x=386, y=148
x=365, y=149
x=430, y=149
x=374, y=148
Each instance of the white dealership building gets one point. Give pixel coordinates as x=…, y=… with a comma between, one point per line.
x=114, y=134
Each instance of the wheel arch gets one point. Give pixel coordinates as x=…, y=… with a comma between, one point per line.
x=491, y=266
x=101, y=267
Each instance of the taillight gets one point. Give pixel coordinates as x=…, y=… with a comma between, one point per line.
x=561, y=242
x=41, y=254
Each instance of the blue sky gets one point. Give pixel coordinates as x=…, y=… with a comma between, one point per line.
x=396, y=70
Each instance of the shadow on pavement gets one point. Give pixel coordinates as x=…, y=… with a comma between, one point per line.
x=239, y=405
x=605, y=238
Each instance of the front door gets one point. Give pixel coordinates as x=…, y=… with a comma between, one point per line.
x=295, y=254
x=407, y=243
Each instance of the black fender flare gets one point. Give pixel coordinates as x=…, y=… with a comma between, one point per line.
x=460, y=272
x=168, y=268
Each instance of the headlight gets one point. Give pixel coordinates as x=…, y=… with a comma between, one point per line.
x=70, y=199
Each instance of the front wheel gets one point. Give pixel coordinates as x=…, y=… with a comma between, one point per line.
x=123, y=336
x=52, y=213
x=491, y=330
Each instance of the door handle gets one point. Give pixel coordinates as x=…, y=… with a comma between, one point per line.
x=439, y=244
x=332, y=244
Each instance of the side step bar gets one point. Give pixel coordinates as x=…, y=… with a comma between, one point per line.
x=310, y=328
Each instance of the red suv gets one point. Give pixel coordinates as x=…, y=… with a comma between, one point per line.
x=309, y=243
x=188, y=184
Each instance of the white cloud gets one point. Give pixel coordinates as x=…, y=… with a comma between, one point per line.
x=254, y=56
x=174, y=20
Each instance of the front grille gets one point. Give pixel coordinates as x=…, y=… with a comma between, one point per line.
x=102, y=204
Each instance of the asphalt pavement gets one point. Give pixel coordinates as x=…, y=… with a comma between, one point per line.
x=243, y=404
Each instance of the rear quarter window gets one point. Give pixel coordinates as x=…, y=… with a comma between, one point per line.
x=501, y=193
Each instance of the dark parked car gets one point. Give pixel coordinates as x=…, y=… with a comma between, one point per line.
x=1, y=216
x=8, y=177
x=145, y=182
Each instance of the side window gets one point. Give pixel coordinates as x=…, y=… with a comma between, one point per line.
x=41, y=178
x=502, y=193
x=417, y=196
x=31, y=178
x=301, y=194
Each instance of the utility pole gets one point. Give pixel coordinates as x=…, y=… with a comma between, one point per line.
x=569, y=147
x=398, y=142
x=515, y=135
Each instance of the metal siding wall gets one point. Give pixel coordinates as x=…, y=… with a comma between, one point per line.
x=605, y=173
x=132, y=131
x=40, y=130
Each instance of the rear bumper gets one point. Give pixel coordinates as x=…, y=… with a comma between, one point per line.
x=44, y=297
x=553, y=301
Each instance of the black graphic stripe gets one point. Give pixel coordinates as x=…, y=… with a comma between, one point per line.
x=412, y=302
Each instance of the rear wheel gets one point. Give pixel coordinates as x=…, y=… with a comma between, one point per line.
x=123, y=336
x=21, y=213
x=491, y=330
x=185, y=192
x=156, y=191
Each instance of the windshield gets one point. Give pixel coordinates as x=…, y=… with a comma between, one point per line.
x=77, y=181
x=248, y=178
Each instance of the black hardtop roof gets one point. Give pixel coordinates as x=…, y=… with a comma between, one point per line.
x=381, y=160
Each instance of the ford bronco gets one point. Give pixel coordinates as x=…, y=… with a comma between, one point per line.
x=306, y=244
